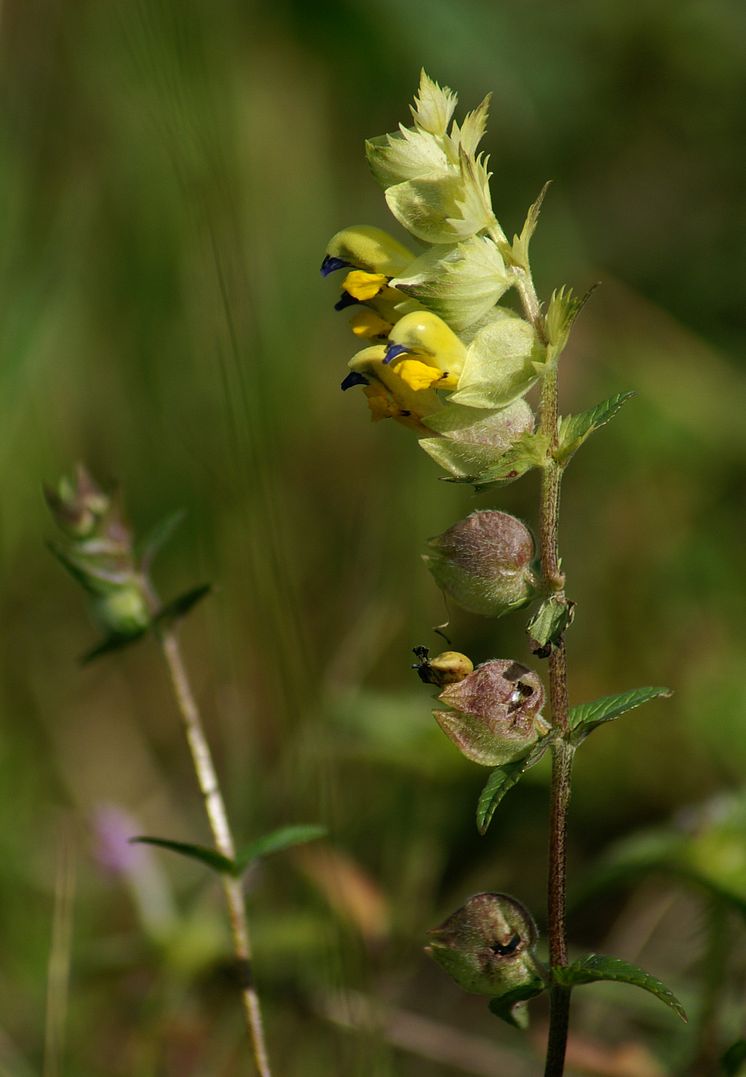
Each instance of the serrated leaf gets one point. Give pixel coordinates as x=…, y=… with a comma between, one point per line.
x=585, y=717
x=574, y=429
x=278, y=840
x=562, y=310
x=549, y=623
x=503, y=779
x=109, y=645
x=160, y=534
x=181, y=606
x=511, y=1007
x=596, y=967
x=205, y=855
x=733, y=1061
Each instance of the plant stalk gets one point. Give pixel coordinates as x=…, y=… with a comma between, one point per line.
x=217, y=816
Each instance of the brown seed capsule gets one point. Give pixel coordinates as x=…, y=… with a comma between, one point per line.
x=495, y=714
x=485, y=562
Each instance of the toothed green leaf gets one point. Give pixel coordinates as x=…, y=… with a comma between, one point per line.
x=574, y=429
x=596, y=967
x=211, y=858
x=500, y=781
x=550, y=622
x=277, y=840
x=585, y=717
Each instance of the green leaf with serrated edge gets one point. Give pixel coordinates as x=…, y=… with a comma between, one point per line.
x=277, y=840
x=210, y=857
x=597, y=967
x=529, y=451
x=733, y=1061
x=550, y=621
x=109, y=645
x=501, y=780
x=562, y=310
x=511, y=1007
x=160, y=534
x=585, y=717
x=181, y=606
x=574, y=429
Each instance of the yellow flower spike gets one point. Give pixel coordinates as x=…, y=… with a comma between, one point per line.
x=366, y=323
x=426, y=337
x=362, y=286
x=418, y=375
x=364, y=247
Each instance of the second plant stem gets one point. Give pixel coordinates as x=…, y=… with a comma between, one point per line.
x=218, y=819
x=562, y=750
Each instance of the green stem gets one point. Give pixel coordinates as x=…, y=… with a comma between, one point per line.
x=218, y=818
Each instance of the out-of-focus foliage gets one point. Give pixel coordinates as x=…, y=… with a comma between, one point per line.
x=169, y=176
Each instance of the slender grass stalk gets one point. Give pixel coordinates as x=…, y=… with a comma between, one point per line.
x=58, y=968
x=209, y=785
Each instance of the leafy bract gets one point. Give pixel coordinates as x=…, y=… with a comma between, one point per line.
x=550, y=621
x=502, y=362
x=574, y=429
x=597, y=967
x=521, y=242
x=585, y=717
x=211, y=858
x=501, y=780
x=474, y=439
x=511, y=1007
x=459, y=282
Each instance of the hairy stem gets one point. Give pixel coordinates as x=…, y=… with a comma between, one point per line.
x=215, y=807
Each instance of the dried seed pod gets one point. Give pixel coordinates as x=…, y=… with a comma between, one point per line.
x=487, y=946
x=485, y=562
x=495, y=714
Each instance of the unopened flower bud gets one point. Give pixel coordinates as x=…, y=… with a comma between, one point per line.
x=495, y=714
x=450, y=667
x=123, y=611
x=78, y=504
x=485, y=562
x=487, y=946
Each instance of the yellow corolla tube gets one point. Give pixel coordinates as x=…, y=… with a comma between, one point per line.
x=366, y=248
x=422, y=348
x=389, y=395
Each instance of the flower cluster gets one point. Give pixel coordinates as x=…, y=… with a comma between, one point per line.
x=442, y=356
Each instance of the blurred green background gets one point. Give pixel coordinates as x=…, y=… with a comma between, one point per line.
x=170, y=173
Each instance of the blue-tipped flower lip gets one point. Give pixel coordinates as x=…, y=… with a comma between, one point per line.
x=346, y=300
x=332, y=264
x=352, y=379
x=393, y=352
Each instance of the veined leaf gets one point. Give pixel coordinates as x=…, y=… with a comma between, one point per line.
x=511, y=1007
x=596, y=967
x=210, y=857
x=585, y=717
x=549, y=623
x=574, y=429
x=501, y=780
x=283, y=838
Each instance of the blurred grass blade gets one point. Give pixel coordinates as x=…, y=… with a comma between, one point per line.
x=181, y=606
x=597, y=967
x=277, y=840
x=109, y=645
x=585, y=717
x=210, y=857
x=733, y=1061
x=158, y=537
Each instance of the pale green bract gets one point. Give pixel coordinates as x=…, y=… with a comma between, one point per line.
x=502, y=363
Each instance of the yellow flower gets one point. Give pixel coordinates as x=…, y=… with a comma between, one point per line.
x=389, y=395
x=434, y=354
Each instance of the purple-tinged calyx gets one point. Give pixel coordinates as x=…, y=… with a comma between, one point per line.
x=332, y=264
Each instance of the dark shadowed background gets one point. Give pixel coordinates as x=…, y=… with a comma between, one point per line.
x=170, y=173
